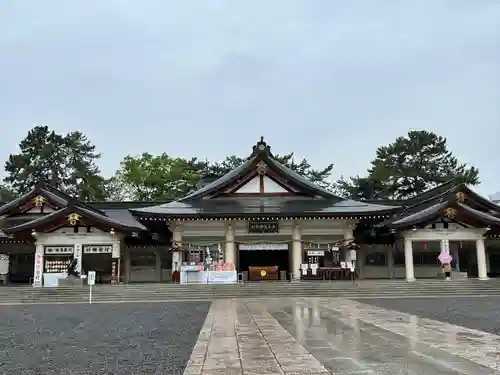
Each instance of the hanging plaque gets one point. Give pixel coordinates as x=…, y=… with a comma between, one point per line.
x=263, y=227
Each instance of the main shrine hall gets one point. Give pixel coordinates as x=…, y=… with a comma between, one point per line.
x=260, y=216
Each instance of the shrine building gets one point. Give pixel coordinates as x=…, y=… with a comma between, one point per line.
x=261, y=215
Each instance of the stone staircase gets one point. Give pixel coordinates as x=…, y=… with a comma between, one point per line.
x=170, y=292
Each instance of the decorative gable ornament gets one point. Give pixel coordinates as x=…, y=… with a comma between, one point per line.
x=460, y=196
x=450, y=213
x=73, y=219
x=39, y=201
x=261, y=168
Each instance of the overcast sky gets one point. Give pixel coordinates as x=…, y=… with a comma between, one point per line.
x=330, y=80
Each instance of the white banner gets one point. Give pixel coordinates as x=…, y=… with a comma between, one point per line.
x=97, y=249
x=78, y=256
x=4, y=264
x=62, y=250
x=37, y=277
x=222, y=277
x=315, y=253
x=263, y=246
x=116, y=251
x=445, y=246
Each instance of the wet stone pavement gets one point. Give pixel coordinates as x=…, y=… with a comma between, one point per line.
x=99, y=339
x=335, y=336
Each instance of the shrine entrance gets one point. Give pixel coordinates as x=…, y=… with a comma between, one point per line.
x=260, y=262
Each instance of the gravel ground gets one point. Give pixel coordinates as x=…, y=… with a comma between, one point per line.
x=476, y=313
x=100, y=338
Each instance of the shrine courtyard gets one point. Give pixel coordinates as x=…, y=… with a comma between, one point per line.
x=444, y=336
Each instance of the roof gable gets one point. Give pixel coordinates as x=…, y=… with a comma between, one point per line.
x=260, y=167
x=261, y=184
x=46, y=208
x=73, y=215
x=43, y=195
x=451, y=201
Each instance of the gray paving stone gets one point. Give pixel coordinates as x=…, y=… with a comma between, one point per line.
x=99, y=339
x=476, y=313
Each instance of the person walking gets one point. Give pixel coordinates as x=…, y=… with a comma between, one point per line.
x=447, y=271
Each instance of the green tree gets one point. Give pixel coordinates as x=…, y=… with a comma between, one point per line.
x=67, y=162
x=361, y=188
x=165, y=178
x=409, y=166
x=151, y=178
x=6, y=194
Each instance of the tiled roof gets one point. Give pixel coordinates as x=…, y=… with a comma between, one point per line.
x=121, y=221
x=496, y=197
x=265, y=206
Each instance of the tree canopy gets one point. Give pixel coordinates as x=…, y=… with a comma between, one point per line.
x=66, y=161
x=6, y=194
x=409, y=166
x=152, y=178
x=406, y=167
x=164, y=178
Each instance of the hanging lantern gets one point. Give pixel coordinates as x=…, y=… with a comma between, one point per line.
x=425, y=245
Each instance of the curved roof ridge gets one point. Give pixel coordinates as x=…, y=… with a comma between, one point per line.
x=262, y=151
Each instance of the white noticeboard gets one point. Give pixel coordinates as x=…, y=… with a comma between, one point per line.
x=91, y=278
x=222, y=277
x=90, y=282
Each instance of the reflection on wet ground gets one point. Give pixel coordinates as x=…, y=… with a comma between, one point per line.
x=335, y=336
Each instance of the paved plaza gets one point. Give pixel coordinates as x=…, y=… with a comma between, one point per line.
x=414, y=336
x=99, y=339
x=336, y=336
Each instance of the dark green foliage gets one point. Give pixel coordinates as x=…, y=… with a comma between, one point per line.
x=409, y=166
x=67, y=162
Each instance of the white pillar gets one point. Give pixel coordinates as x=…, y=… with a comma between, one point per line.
x=38, y=271
x=410, y=272
x=444, y=246
x=296, y=250
x=481, y=259
x=230, y=246
x=348, y=237
x=176, y=239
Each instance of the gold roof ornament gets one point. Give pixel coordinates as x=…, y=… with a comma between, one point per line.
x=262, y=144
x=450, y=213
x=261, y=167
x=39, y=200
x=460, y=196
x=73, y=219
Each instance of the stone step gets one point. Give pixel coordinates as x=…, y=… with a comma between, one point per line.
x=202, y=298
x=83, y=296
x=245, y=292
x=166, y=292
x=443, y=285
